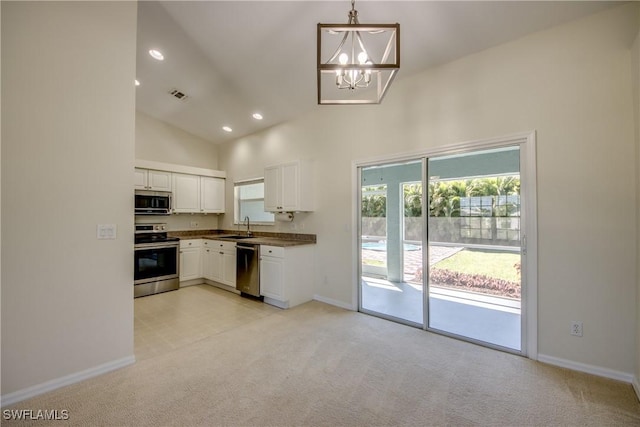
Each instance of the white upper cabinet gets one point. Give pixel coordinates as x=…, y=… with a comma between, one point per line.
x=211, y=195
x=272, y=188
x=197, y=194
x=147, y=179
x=186, y=193
x=140, y=179
x=288, y=187
x=195, y=190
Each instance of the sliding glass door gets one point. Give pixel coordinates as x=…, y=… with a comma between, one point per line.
x=386, y=258
x=474, y=246
x=439, y=244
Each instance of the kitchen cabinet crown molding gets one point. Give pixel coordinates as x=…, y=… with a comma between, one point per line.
x=170, y=167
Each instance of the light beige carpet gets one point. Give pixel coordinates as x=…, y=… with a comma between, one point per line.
x=317, y=365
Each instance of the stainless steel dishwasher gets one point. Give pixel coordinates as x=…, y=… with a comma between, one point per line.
x=248, y=268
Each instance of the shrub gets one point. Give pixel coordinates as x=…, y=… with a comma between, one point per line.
x=475, y=282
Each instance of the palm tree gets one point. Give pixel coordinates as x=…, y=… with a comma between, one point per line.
x=444, y=196
x=413, y=200
x=374, y=205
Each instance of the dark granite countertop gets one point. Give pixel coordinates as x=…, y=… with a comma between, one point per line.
x=259, y=238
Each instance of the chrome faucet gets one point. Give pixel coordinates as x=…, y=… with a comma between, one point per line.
x=248, y=222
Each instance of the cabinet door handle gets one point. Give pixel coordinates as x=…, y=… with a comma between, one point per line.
x=221, y=253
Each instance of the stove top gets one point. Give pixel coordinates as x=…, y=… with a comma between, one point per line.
x=152, y=233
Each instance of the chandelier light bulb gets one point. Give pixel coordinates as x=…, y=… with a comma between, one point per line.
x=345, y=60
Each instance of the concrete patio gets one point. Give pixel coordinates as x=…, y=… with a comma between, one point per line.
x=477, y=316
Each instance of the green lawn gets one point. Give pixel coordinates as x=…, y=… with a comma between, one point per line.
x=489, y=263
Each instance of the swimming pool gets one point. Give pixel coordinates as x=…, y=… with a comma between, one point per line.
x=382, y=246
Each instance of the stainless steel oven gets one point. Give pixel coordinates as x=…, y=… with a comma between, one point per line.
x=157, y=263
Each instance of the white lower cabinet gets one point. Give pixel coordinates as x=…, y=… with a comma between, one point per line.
x=271, y=278
x=229, y=267
x=219, y=260
x=209, y=263
x=190, y=259
x=286, y=274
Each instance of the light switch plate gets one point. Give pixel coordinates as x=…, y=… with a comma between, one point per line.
x=107, y=231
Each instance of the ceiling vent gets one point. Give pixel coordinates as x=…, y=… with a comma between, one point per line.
x=178, y=95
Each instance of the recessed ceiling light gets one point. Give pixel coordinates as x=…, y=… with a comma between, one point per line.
x=137, y=82
x=226, y=128
x=156, y=54
x=257, y=116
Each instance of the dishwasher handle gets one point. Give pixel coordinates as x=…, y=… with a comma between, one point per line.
x=246, y=248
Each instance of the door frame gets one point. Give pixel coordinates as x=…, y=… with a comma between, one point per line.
x=528, y=225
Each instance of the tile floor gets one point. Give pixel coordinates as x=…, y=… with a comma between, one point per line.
x=167, y=321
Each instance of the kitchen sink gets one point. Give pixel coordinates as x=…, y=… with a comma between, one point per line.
x=238, y=237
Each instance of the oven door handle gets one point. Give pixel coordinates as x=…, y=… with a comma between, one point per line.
x=141, y=246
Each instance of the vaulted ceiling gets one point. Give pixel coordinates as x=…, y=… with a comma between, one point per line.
x=234, y=58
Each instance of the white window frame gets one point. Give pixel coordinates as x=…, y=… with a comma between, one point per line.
x=236, y=202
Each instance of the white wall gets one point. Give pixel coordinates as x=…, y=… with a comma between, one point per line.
x=635, y=52
x=162, y=142
x=67, y=165
x=0, y=199
x=572, y=84
x=182, y=221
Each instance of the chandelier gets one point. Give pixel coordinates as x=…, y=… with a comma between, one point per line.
x=356, y=62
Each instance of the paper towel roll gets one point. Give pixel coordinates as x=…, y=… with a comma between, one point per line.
x=284, y=216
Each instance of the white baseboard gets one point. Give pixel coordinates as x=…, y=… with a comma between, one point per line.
x=334, y=302
x=589, y=369
x=636, y=386
x=276, y=303
x=35, y=390
x=220, y=286
x=193, y=282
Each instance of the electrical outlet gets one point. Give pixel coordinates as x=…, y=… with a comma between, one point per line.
x=576, y=328
x=194, y=224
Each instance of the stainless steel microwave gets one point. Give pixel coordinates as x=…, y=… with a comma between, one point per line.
x=153, y=202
